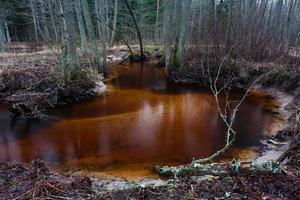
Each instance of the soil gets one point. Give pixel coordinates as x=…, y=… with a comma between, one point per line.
x=35, y=181
x=29, y=84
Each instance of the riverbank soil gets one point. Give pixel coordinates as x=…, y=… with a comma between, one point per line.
x=29, y=83
x=35, y=181
x=31, y=80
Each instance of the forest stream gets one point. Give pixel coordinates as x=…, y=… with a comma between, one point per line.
x=140, y=122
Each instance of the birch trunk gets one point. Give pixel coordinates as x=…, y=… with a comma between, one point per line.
x=2, y=35
x=114, y=22
x=2, y=31
x=8, y=38
x=83, y=38
x=98, y=16
x=184, y=30
x=142, y=56
x=167, y=29
x=33, y=13
x=72, y=58
x=91, y=33
x=52, y=19
x=44, y=21
x=156, y=21
x=103, y=31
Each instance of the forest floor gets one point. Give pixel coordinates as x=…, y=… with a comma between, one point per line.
x=31, y=80
x=29, y=84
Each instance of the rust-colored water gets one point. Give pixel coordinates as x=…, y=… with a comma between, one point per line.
x=140, y=122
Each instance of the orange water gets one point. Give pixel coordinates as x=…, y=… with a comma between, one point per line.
x=141, y=121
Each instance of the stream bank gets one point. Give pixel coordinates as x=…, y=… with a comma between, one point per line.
x=31, y=82
x=44, y=183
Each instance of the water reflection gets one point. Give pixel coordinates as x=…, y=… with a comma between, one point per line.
x=139, y=123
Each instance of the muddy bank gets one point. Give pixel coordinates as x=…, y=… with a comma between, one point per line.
x=32, y=82
x=229, y=181
x=281, y=80
x=34, y=180
x=31, y=78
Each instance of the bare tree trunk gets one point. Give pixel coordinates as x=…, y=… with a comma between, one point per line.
x=91, y=33
x=184, y=29
x=34, y=21
x=2, y=28
x=52, y=19
x=63, y=26
x=106, y=8
x=72, y=58
x=8, y=38
x=167, y=33
x=114, y=22
x=2, y=35
x=142, y=56
x=121, y=37
x=83, y=38
x=156, y=22
x=98, y=16
x=103, y=30
x=290, y=16
x=44, y=21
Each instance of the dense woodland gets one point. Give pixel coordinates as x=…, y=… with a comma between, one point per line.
x=72, y=47
x=250, y=29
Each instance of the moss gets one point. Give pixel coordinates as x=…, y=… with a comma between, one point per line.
x=76, y=74
x=235, y=166
x=269, y=167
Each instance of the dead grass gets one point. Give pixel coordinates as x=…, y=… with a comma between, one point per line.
x=30, y=82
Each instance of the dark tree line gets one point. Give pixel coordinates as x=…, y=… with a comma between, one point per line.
x=251, y=29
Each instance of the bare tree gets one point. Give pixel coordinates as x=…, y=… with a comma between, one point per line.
x=44, y=21
x=91, y=34
x=2, y=21
x=81, y=26
x=72, y=63
x=114, y=22
x=33, y=12
x=52, y=18
x=142, y=56
x=103, y=32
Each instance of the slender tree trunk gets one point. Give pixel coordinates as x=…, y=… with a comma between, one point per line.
x=52, y=19
x=167, y=29
x=63, y=26
x=83, y=38
x=44, y=21
x=98, y=16
x=34, y=21
x=2, y=35
x=106, y=8
x=103, y=30
x=2, y=27
x=142, y=56
x=72, y=58
x=290, y=17
x=114, y=22
x=91, y=33
x=156, y=21
x=184, y=29
x=8, y=38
